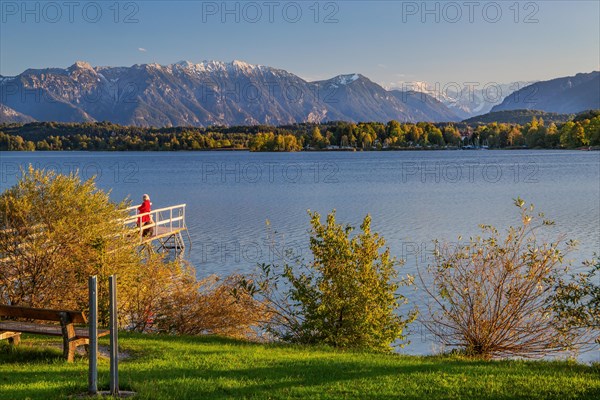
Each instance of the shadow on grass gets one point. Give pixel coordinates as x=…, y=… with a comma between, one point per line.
x=171, y=367
x=296, y=379
x=24, y=354
x=38, y=393
x=395, y=377
x=338, y=380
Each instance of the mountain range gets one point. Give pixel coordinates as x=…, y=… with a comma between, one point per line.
x=571, y=94
x=235, y=93
x=209, y=93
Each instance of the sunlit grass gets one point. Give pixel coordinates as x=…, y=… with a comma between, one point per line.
x=169, y=367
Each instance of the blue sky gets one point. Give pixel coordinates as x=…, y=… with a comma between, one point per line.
x=388, y=41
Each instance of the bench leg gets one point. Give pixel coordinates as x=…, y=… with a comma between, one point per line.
x=70, y=341
x=15, y=340
x=71, y=348
x=68, y=334
x=69, y=351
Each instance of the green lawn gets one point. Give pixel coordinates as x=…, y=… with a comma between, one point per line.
x=166, y=367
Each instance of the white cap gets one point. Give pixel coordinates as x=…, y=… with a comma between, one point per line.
x=145, y=197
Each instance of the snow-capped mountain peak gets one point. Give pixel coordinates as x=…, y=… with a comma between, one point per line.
x=212, y=66
x=346, y=79
x=184, y=63
x=81, y=65
x=242, y=65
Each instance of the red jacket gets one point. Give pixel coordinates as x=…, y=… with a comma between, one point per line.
x=144, y=208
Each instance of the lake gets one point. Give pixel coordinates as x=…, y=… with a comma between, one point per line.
x=412, y=196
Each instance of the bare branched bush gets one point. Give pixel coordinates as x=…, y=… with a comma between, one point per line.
x=208, y=306
x=491, y=297
x=145, y=294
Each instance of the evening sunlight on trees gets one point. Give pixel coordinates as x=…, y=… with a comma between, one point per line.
x=345, y=297
x=56, y=231
x=558, y=131
x=492, y=297
x=498, y=295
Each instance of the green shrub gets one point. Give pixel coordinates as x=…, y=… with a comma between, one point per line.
x=346, y=297
x=577, y=302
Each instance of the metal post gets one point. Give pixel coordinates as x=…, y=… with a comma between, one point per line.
x=93, y=346
x=114, y=348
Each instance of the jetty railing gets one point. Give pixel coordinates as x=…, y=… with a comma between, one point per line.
x=166, y=220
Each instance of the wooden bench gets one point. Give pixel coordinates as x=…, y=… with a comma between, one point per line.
x=72, y=337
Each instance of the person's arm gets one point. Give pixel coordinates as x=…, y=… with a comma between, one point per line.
x=145, y=207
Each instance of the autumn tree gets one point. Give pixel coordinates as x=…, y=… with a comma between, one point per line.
x=572, y=135
x=414, y=134
x=435, y=137
x=452, y=135
x=592, y=131
x=316, y=138
x=515, y=137
x=56, y=231
x=552, y=139
x=395, y=133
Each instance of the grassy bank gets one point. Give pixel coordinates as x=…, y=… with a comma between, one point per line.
x=164, y=367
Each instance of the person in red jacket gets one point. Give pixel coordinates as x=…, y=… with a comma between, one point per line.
x=145, y=207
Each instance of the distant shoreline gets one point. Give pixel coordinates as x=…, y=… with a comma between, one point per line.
x=594, y=148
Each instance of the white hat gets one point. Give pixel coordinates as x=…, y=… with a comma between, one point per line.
x=145, y=196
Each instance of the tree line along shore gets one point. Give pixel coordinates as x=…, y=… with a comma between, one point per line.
x=581, y=131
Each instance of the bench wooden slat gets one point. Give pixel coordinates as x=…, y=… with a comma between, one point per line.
x=76, y=317
x=8, y=335
x=51, y=330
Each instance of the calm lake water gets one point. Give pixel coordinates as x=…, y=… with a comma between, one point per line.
x=413, y=197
